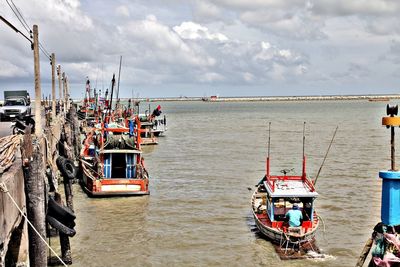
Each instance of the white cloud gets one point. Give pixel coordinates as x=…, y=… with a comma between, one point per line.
x=248, y=77
x=203, y=42
x=10, y=70
x=159, y=43
x=209, y=77
x=191, y=30
x=204, y=11
x=356, y=7
x=122, y=11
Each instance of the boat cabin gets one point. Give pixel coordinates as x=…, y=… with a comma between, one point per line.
x=282, y=192
x=120, y=163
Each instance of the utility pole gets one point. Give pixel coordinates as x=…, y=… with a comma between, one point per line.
x=59, y=87
x=53, y=87
x=33, y=174
x=64, y=91
x=38, y=115
x=67, y=96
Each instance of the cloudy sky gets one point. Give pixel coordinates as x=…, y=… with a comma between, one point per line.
x=204, y=47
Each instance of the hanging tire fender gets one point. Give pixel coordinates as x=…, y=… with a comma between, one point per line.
x=60, y=226
x=67, y=168
x=62, y=213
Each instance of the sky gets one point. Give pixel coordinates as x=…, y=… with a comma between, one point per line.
x=173, y=48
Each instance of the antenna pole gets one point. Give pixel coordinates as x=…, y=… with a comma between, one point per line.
x=112, y=92
x=119, y=77
x=269, y=147
x=326, y=155
x=304, y=154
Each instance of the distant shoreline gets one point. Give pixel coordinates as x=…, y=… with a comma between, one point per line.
x=372, y=98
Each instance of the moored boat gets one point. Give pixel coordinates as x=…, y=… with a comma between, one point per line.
x=152, y=126
x=112, y=162
x=111, y=158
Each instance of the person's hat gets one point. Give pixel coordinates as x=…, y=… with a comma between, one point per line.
x=295, y=206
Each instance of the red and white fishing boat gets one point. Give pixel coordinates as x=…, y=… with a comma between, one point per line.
x=112, y=162
x=274, y=196
x=111, y=158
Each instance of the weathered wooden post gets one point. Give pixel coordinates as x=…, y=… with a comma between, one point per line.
x=35, y=198
x=66, y=254
x=38, y=115
x=53, y=87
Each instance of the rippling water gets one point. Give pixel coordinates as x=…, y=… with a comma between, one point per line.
x=198, y=213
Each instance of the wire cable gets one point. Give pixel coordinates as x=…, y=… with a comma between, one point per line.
x=14, y=28
x=16, y=12
x=22, y=17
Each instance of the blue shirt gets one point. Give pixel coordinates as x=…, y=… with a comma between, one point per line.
x=294, y=217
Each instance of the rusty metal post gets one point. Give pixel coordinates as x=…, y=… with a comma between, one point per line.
x=393, y=149
x=53, y=87
x=38, y=115
x=391, y=122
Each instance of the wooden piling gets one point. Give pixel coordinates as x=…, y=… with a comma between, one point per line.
x=66, y=254
x=35, y=200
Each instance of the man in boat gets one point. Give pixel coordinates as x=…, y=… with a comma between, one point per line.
x=156, y=112
x=294, y=216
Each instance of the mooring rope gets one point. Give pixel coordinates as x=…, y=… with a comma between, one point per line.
x=4, y=189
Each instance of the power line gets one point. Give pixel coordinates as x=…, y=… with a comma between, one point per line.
x=44, y=51
x=19, y=12
x=14, y=28
x=16, y=12
x=21, y=19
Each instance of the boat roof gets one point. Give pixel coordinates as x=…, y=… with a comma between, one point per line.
x=289, y=188
x=114, y=151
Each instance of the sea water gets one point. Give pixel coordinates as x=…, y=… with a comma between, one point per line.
x=199, y=213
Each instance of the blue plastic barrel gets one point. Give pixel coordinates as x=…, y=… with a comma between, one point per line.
x=390, y=207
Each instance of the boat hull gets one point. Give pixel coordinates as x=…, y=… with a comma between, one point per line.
x=113, y=186
x=277, y=236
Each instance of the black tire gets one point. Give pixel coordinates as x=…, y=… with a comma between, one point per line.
x=67, y=168
x=63, y=214
x=15, y=130
x=60, y=227
x=62, y=137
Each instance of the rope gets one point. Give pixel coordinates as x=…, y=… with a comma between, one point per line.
x=4, y=189
x=323, y=224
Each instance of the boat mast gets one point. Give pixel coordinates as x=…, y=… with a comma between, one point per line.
x=304, y=155
x=119, y=78
x=112, y=91
x=269, y=146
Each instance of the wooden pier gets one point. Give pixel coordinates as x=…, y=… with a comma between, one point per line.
x=15, y=187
